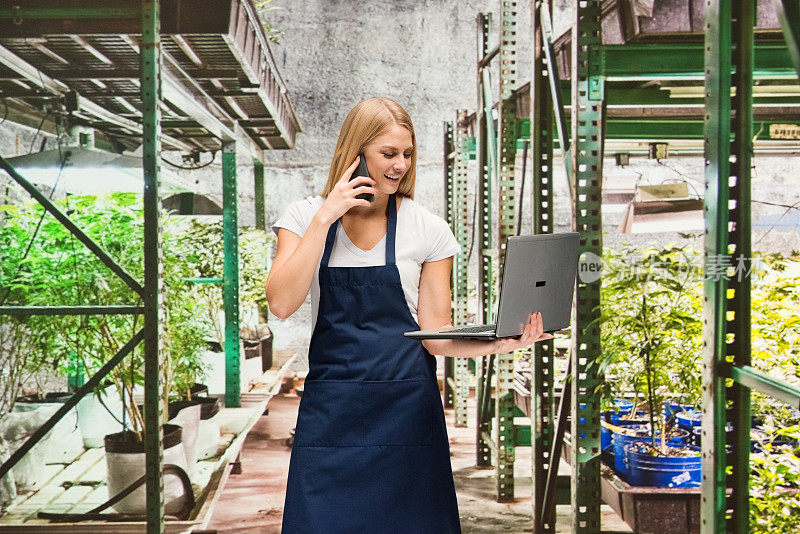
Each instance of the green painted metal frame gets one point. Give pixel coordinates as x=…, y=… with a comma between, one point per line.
x=789, y=15
x=544, y=27
x=587, y=163
x=714, y=506
x=542, y=383
x=150, y=47
x=460, y=225
x=727, y=375
x=485, y=148
x=258, y=186
x=449, y=207
x=738, y=337
x=230, y=284
x=683, y=60
x=778, y=389
x=507, y=227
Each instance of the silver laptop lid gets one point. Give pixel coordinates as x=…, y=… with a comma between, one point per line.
x=538, y=276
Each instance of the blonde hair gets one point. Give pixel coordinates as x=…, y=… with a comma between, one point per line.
x=366, y=121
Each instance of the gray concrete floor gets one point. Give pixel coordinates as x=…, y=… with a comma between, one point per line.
x=252, y=502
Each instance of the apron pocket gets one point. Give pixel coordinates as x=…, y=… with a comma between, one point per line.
x=398, y=412
x=330, y=414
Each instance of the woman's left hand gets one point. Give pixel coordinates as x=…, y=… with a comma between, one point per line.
x=533, y=332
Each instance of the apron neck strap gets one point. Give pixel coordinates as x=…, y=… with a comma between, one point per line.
x=391, y=228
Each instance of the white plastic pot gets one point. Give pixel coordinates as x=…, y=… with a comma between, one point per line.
x=208, y=439
x=62, y=444
x=189, y=420
x=96, y=418
x=125, y=463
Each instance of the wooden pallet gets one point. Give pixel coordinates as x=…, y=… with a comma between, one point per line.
x=80, y=486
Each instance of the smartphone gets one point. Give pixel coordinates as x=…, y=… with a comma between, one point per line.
x=361, y=170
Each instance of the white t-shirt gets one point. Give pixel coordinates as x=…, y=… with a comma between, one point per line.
x=421, y=236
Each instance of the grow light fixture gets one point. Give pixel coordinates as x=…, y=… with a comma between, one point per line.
x=662, y=208
x=87, y=170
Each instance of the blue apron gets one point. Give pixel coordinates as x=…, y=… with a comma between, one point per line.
x=370, y=452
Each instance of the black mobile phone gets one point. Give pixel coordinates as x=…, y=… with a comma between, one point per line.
x=361, y=170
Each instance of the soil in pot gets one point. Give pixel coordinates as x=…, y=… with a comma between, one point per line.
x=678, y=468
x=125, y=463
x=639, y=433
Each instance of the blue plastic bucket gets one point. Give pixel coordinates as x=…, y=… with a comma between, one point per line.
x=623, y=407
x=606, y=433
x=689, y=420
x=662, y=471
x=619, y=442
x=671, y=409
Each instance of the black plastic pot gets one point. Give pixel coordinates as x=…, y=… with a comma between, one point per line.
x=198, y=390
x=55, y=397
x=209, y=406
x=266, y=352
x=127, y=442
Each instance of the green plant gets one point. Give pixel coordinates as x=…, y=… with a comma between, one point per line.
x=59, y=270
x=651, y=327
x=202, y=246
x=775, y=345
x=774, y=485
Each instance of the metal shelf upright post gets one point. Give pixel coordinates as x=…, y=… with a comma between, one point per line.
x=485, y=153
x=230, y=285
x=456, y=154
x=150, y=47
x=542, y=383
x=460, y=220
x=507, y=225
x=449, y=216
x=726, y=310
x=587, y=120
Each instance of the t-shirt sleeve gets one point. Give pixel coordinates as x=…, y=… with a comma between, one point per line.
x=297, y=217
x=441, y=241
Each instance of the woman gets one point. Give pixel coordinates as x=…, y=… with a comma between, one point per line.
x=371, y=451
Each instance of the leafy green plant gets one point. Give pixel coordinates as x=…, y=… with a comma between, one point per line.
x=56, y=269
x=774, y=485
x=202, y=245
x=651, y=327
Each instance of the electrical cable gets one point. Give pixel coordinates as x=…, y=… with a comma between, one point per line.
x=188, y=167
x=38, y=129
x=788, y=207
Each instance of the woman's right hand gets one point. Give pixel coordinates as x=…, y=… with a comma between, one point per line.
x=343, y=196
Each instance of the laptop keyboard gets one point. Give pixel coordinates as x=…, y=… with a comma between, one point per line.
x=475, y=329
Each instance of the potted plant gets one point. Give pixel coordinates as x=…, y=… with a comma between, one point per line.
x=651, y=336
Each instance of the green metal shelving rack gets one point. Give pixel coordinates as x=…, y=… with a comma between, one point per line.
x=146, y=17
x=597, y=83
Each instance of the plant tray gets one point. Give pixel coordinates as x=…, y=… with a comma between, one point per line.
x=80, y=486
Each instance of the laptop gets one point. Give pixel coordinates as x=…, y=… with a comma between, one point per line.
x=538, y=276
